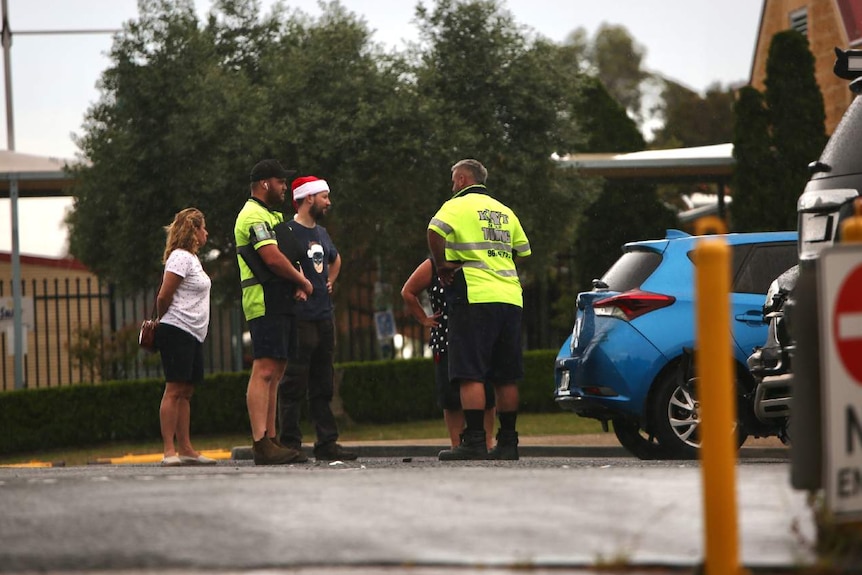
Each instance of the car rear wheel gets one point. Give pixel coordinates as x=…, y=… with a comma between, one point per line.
x=638, y=442
x=676, y=415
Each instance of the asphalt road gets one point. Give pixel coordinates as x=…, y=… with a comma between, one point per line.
x=392, y=515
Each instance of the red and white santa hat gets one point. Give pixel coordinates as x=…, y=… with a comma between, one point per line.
x=308, y=186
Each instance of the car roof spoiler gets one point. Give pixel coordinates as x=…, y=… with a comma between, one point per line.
x=673, y=234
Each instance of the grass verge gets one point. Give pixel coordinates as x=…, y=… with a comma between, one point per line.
x=561, y=423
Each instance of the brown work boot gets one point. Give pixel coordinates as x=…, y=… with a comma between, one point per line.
x=266, y=452
x=301, y=458
x=333, y=451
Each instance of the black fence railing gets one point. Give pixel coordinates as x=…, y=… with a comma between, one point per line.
x=81, y=330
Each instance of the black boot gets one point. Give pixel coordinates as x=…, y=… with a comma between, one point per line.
x=472, y=447
x=507, y=446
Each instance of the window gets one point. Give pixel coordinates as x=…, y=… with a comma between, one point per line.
x=761, y=264
x=799, y=20
x=632, y=269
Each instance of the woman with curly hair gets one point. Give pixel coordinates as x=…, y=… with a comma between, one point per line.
x=183, y=306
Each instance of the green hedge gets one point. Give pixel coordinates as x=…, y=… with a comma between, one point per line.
x=81, y=415
x=392, y=392
x=389, y=391
x=371, y=392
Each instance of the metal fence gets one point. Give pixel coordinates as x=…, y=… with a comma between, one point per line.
x=81, y=330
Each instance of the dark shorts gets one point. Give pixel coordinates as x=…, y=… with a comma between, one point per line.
x=182, y=354
x=272, y=336
x=485, y=343
x=449, y=392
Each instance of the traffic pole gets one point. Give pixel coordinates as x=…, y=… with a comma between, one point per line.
x=717, y=396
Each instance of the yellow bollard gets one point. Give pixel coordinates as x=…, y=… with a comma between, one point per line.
x=709, y=225
x=717, y=396
x=851, y=228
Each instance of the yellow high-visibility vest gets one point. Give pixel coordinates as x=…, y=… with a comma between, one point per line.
x=485, y=235
x=254, y=227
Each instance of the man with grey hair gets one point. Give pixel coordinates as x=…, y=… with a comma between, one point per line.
x=473, y=239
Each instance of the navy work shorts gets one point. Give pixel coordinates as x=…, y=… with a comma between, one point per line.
x=272, y=336
x=485, y=342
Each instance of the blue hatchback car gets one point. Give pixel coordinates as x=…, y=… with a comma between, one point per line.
x=628, y=359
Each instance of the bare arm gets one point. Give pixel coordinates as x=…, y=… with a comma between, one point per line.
x=281, y=266
x=419, y=281
x=334, y=270
x=170, y=283
x=445, y=269
x=437, y=246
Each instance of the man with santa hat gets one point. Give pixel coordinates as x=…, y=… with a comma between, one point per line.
x=310, y=369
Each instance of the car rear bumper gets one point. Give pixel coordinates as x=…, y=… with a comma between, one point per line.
x=585, y=407
x=610, y=376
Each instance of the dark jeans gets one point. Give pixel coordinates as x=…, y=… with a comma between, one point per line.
x=309, y=373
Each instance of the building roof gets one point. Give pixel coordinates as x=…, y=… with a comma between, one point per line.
x=66, y=262
x=38, y=176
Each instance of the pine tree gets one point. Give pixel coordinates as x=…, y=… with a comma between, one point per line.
x=754, y=181
x=776, y=136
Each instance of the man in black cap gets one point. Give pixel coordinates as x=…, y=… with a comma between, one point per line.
x=269, y=280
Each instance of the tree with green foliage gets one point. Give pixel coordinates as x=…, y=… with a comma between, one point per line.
x=691, y=120
x=613, y=56
x=175, y=127
x=618, y=59
x=796, y=116
x=776, y=136
x=342, y=110
x=509, y=101
x=188, y=108
x=506, y=101
x=755, y=197
x=626, y=210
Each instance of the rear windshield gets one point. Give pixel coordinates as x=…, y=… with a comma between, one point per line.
x=631, y=270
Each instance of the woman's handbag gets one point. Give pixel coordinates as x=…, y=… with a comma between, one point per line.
x=147, y=335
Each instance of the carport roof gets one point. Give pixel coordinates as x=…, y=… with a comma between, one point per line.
x=38, y=176
x=702, y=163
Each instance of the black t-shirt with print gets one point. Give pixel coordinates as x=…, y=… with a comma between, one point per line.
x=292, y=250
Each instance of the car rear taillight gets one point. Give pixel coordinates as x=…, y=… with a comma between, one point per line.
x=632, y=304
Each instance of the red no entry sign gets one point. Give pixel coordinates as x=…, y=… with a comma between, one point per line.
x=847, y=324
x=839, y=281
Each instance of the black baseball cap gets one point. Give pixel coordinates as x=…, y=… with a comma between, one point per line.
x=266, y=169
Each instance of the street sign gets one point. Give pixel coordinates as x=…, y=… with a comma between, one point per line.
x=8, y=313
x=840, y=313
x=847, y=324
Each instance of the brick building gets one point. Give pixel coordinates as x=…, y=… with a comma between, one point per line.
x=828, y=24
